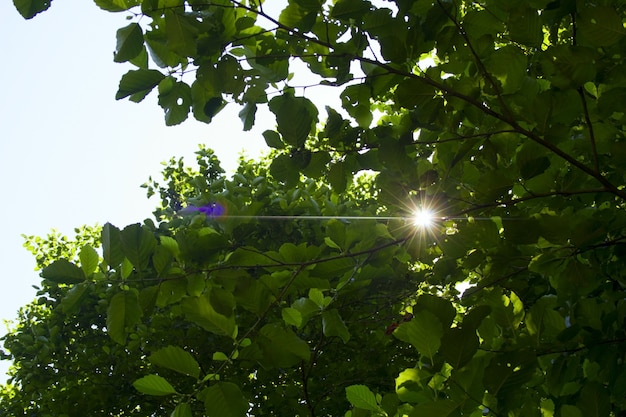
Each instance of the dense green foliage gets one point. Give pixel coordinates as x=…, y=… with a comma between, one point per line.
x=504, y=117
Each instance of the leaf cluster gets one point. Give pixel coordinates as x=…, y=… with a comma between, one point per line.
x=504, y=118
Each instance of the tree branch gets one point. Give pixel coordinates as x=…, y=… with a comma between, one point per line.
x=592, y=137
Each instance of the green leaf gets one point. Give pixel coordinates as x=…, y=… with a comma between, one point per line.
x=201, y=311
x=284, y=169
x=291, y=316
x=440, y=408
x=182, y=410
x=423, y=331
x=154, y=385
x=170, y=244
x=112, y=251
x=74, y=298
x=176, y=359
x=459, y=345
x=525, y=27
x=219, y=356
x=247, y=115
x=361, y=396
x=281, y=347
x=295, y=16
x=175, y=98
x=333, y=325
x=508, y=66
x=225, y=399
x=295, y=116
x=181, y=33
x=350, y=9
x=594, y=401
x=63, y=271
x=138, y=83
x=356, y=101
x=599, y=25
x=570, y=411
x=29, y=8
x=123, y=313
x=89, y=259
x=273, y=140
x=129, y=43
x=138, y=244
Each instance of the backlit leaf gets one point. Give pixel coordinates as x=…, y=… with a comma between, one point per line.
x=89, y=259
x=123, y=313
x=176, y=359
x=361, y=396
x=154, y=385
x=423, y=331
x=138, y=244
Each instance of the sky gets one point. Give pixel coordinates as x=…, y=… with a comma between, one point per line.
x=70, y=154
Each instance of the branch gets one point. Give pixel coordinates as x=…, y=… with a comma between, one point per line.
x=592, y=137
x=479, y=62
x=514, y=201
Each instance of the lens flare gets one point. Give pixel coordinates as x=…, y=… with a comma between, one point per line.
x=423, y=218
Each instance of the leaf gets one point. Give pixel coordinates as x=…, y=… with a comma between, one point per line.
x=200, y=311
x=594, y=401
x=123, y=312
x=138, y=83
x=333, y=325
x=350, y=9
x=181, y=33
x=138, y=244
x=291, y=316
x=423, y=331
x=176, y=99
x=273, y=140
x=112, y=251
x=129, y=43
x=281, y=347
x=440, y=408
x=508, y=65
x=74, y=297
x=63, y=271
x=225, y=399
x=283, y=169
x=170, y=244
x=459, y=345
x=176, y=359
x=29, y=8
x=182, y=410
x=247, y=115
x=154, y=385
x=116, y=5
x=599, y=25
x=361, y=396
x=570, y=411
x=525, y=27
x=295, y=116
x=89, y=259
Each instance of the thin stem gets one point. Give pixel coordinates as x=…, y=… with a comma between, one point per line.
x=592, y=137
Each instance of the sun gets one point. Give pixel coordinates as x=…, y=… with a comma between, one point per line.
x=423, y=218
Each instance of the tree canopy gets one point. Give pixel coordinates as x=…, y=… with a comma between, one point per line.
x=301, y=285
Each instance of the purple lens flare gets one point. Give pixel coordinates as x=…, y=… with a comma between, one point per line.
x=209, y=210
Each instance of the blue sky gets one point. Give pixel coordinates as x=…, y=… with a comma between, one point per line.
x=69, y=153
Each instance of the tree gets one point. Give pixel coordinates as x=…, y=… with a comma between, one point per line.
x=505, y=118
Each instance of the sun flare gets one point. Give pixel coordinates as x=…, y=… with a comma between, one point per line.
x=423, y=218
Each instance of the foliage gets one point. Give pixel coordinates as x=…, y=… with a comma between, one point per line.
x=506, y=118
